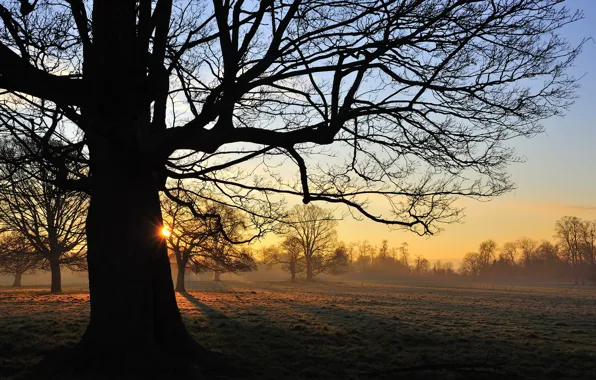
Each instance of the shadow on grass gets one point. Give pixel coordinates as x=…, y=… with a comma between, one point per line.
x=208, y=310
x=262, y=348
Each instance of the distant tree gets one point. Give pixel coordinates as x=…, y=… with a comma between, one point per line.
x=289, y=254
x=509, y=252
x=365, y=255
x=421, y=265
x=405, y=254
x=225, y=258
x=448, y=268
x=547, y=253
x=385, y=263
x=443, y=269
x=339, y=262
x=314, y=228
x=205, y=244
x=589, y=243
x=527, y=247
x=487, y=252
x=17, y=257
x=383, y=254
x=569, y=231
x=52, y=220
x=471, y=264
x=184, y=234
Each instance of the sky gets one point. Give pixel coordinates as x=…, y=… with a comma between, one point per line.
x=558, y=177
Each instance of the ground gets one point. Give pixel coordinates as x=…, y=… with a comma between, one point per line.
x=346, y=330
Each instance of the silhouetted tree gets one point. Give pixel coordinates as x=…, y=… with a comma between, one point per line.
x=509, y=252
x=589, y=247
x=205, y=244
x=487, y=252
x=384, y=263
x=421, y=265
x=17, y=257
x=569, y=231
x=418, y=96
x=184, y=234
x=365, y=255
x=546, y=263
x=289, y=254
x=471, y=264
x=51, y=219
x=221, y=256
x=314, y=228
x=339, y=262
x=405, y=254
x=443, y=269
x=383, y=254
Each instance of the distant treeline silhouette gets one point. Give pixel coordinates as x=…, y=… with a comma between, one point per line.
x=570, y=258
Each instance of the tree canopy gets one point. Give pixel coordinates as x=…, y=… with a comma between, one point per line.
x=409, y=103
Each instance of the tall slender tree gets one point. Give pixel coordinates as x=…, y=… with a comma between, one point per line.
x=415, y=99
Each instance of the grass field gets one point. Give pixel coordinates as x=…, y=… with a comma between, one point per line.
x=346, y=330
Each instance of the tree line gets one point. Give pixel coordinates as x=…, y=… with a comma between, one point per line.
x=571, y=256
x=43, y=229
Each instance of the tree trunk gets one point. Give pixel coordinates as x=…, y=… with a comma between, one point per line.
x=17, y=279
x=293, y=276
x=135, y=322
x=56, y=284
x=180, y=288
x=309, y=275
x=216, y=275
x=135, y=328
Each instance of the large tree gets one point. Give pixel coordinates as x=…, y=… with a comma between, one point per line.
x=314, y=229
x=51, y=220
x=410, y=103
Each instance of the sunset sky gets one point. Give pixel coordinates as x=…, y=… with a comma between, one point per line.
x=557, y=179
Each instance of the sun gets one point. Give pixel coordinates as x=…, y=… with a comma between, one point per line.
x=165, y=231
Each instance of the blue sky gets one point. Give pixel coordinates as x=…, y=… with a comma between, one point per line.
x=557, y=179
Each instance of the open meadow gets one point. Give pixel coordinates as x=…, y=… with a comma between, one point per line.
x=280, y=330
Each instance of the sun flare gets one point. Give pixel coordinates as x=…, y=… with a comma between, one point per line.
x=165, y=231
